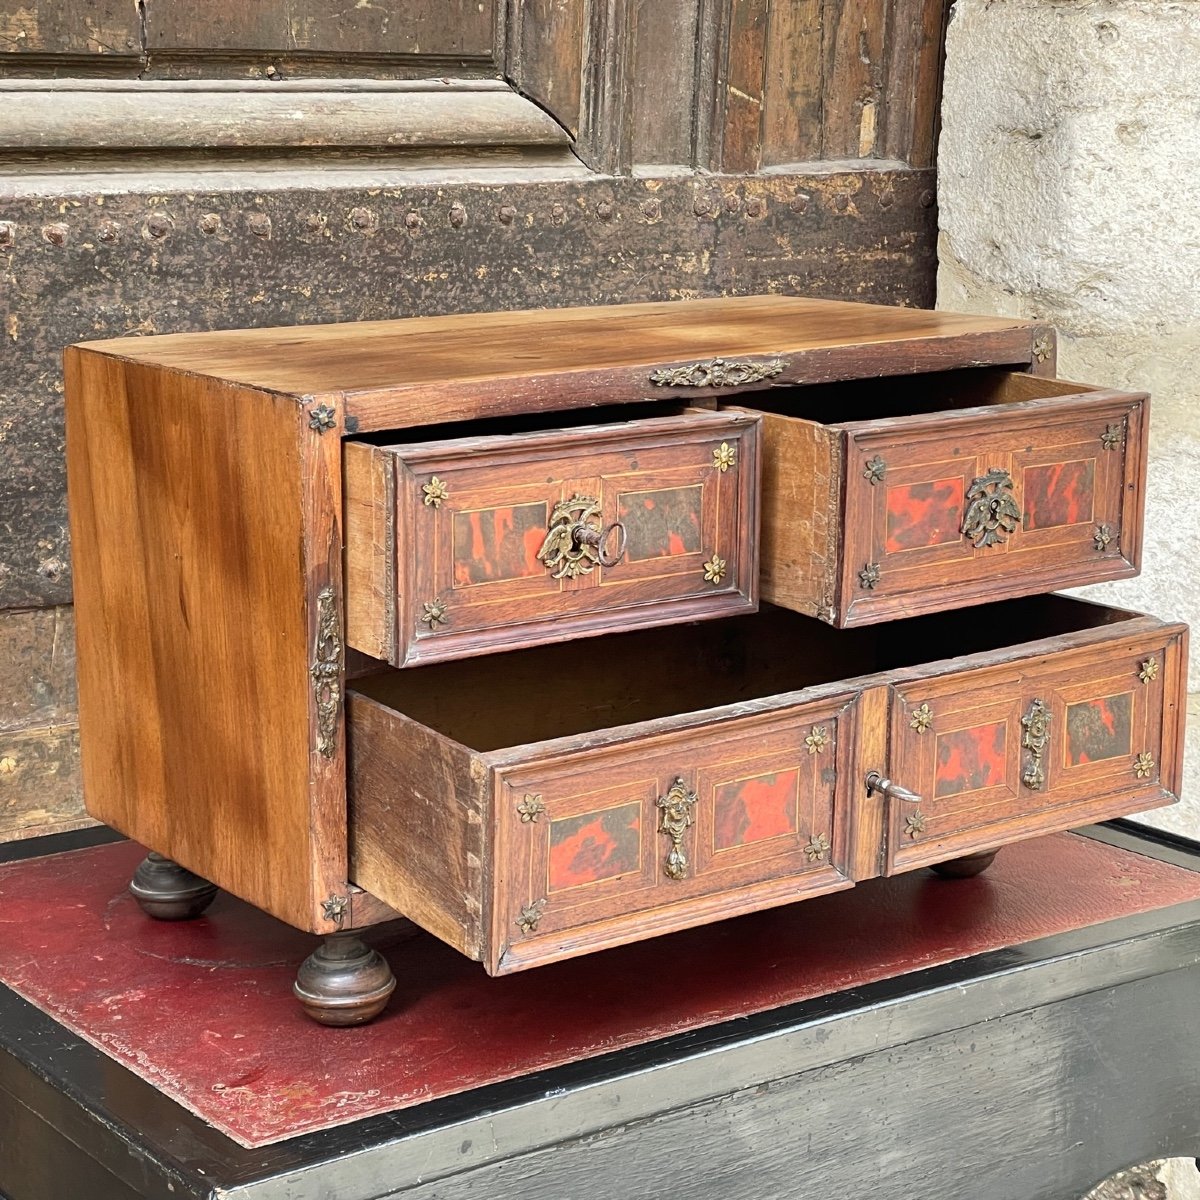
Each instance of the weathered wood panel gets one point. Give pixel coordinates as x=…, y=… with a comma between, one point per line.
x=454, y=29
x=546, y=55
x=663, y=81
x=792, y=97
x=84, y=29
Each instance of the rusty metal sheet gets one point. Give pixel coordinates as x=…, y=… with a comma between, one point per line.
x=79, y=267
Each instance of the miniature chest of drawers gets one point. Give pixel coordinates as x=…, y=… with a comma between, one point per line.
x=459, y=618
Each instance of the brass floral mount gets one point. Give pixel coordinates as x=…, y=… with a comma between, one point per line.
x=816, y=848
x=1036, y=723
x=530, y=915
x=724, y=457
x=575, y=544
x=875, y=470
x=530, y=808
x=435, y=613
x=922, y=718
x=717, y=372
x=714, y=569
x=817, y=739
x=435, y=491
x=676, y=808
x=1143, y=765
x=869, y=576
x=325, y=672
x=1148, y=670
x=992, y=513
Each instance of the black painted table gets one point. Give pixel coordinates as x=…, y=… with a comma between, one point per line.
x=1029, y=1073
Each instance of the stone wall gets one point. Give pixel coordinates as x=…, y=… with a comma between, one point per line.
x=1069, y=191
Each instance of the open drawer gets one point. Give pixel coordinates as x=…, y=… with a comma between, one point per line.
x=521, y=534
x=893, y=497
x=525, y=810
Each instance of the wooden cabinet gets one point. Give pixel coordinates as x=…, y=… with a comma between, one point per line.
x=464, y=545
x=893, y=497
x=339, y=590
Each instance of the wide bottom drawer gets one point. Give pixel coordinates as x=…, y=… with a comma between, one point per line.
x=532, y=806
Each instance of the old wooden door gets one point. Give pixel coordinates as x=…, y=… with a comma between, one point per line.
x=177, y=166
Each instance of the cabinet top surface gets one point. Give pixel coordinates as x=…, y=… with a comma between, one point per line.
x=444, y=351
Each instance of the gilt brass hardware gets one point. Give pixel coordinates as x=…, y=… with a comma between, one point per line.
x=531, y=807
x=877, y=782
x=1041, y=348
x=914, y=824
x=1143, y=765
x=817, y=740
x=325, y=672
x=724, y=457
x=435, y=491
x=1149, y=670
x=714, y=570
x=322, y=418
x=676, y=807
x=530, y=915
x=875, y=470
x=1112, y=436
x=576, y=542
x=1036, y=723
x=992, y=513
x=817, y=848
x=868, y=577
x=717, y=372
x=434, y=614
x=922, y=718
x=1103, y=536
x=335, y=909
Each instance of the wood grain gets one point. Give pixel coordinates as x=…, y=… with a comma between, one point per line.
x=793, y=99
x=569, y=358
x=370, y=553
x=418, y=825
x=195, y=558
x=546, y=55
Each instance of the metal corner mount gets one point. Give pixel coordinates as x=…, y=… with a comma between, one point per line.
x=326, y=672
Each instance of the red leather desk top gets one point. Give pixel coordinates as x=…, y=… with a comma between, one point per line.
x=203, y=1009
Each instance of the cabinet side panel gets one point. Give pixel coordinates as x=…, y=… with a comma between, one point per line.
x=416, y=822
x=801, y=513
x=192, y=625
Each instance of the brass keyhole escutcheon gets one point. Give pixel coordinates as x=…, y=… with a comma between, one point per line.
x=578, y=540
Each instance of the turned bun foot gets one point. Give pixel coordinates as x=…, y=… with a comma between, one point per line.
x=965, y=867
x=344, y=982
x=168, y=892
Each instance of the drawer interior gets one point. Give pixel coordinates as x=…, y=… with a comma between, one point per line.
x=561, y=690
x=907, y=395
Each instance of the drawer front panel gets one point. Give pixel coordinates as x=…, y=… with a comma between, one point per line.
x=607, y=846
x=497, y=562
x=1004, y=753
x=1039, y=496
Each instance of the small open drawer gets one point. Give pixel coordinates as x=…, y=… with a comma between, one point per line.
x=520, y=534
x=526, y=810
x=892, y=497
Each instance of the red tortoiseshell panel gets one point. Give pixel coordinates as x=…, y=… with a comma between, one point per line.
x=924, y=514
x=661, y=523
x=1059, y=494
x=752, y=810
x=498, y=543
x=1098, y=729
x=595, y=846
x=971, y=759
